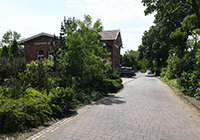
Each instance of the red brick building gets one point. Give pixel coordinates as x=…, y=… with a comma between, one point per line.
x=113, y=44
x=38, y=46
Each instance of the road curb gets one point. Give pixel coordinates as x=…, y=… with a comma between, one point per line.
x=182, y=95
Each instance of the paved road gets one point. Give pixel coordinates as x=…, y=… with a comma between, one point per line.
x=143, y=110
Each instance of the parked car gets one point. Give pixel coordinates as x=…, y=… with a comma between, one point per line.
x=148, y=72
x=128, y=73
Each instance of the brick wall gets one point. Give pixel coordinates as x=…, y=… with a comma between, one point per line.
x=33, y=46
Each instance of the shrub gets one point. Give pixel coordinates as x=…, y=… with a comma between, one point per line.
x=113, y=81
x=40, y=75
x=29, y=111
x=197, y=95
x=172, y=61
x=62, y=100
x=113, y=75
x=184, y=65
x=142, y=70
x=11, y=67
x=163, y=72
x=83, y=98
x=113, y=85
x=189, y=83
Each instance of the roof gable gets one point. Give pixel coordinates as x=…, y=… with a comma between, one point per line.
x=35, y=36
x=110, y=34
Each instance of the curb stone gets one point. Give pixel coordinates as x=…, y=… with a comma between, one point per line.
x=42, y=132
x=181, y=95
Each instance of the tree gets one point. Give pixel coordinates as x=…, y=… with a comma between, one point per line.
x=10, y=44
x=86, y=56
x=157, y=44
x=4, y=51
x=157, y=5
x=10, y=36
x=81, y=61
x=185, y=17
x=14, y=49
x=129, y=59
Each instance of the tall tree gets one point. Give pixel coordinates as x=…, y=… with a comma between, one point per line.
x=85, y=52
x=159, y=5
x=4, y=51
x=182, y=16
x=156, y=42
x=10, y=36
x=129, y=59
x=82, y=58
x=14, y=49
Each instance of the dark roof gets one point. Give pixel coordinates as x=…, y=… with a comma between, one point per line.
x=109, y=34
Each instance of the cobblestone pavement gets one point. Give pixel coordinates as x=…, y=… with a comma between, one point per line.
x=143, y=109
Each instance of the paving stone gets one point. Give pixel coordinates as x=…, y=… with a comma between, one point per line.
x=143, y=110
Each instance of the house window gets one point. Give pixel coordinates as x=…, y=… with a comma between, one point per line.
x=116, y=46
x=40, y=54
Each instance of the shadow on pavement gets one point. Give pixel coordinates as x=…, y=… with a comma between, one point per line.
x=112, y=99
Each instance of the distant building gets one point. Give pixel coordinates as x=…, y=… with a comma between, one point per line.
x=113, y=44
x=38, y=46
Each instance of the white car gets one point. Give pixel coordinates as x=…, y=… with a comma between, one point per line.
x=148, y=72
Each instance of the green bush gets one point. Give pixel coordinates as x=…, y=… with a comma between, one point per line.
x=83, y=98
x=172, y=61
x=40, y=75
x=113, y=75
x=142, y=70
x=62, y=100
x=189, y=83
x=197, y=95
x=113, y=85
x=177, y=66
x=11, y=67
x=29, y=111
x=184, y=65
x=163, y=72
x=172, y=82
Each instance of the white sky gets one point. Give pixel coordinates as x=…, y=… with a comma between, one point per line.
x=30, y=17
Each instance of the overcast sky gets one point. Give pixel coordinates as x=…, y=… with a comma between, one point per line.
x=30, y=17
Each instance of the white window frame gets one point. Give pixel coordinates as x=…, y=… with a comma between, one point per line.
x=39, y=56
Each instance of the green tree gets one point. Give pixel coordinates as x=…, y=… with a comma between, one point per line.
x=86, y=62
x=86, y=56
x=14, y=49
x=4, y=51
x=157, y=5
x=181, y=16
x=157, y=44
x=10, y=36
x=129, y=59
